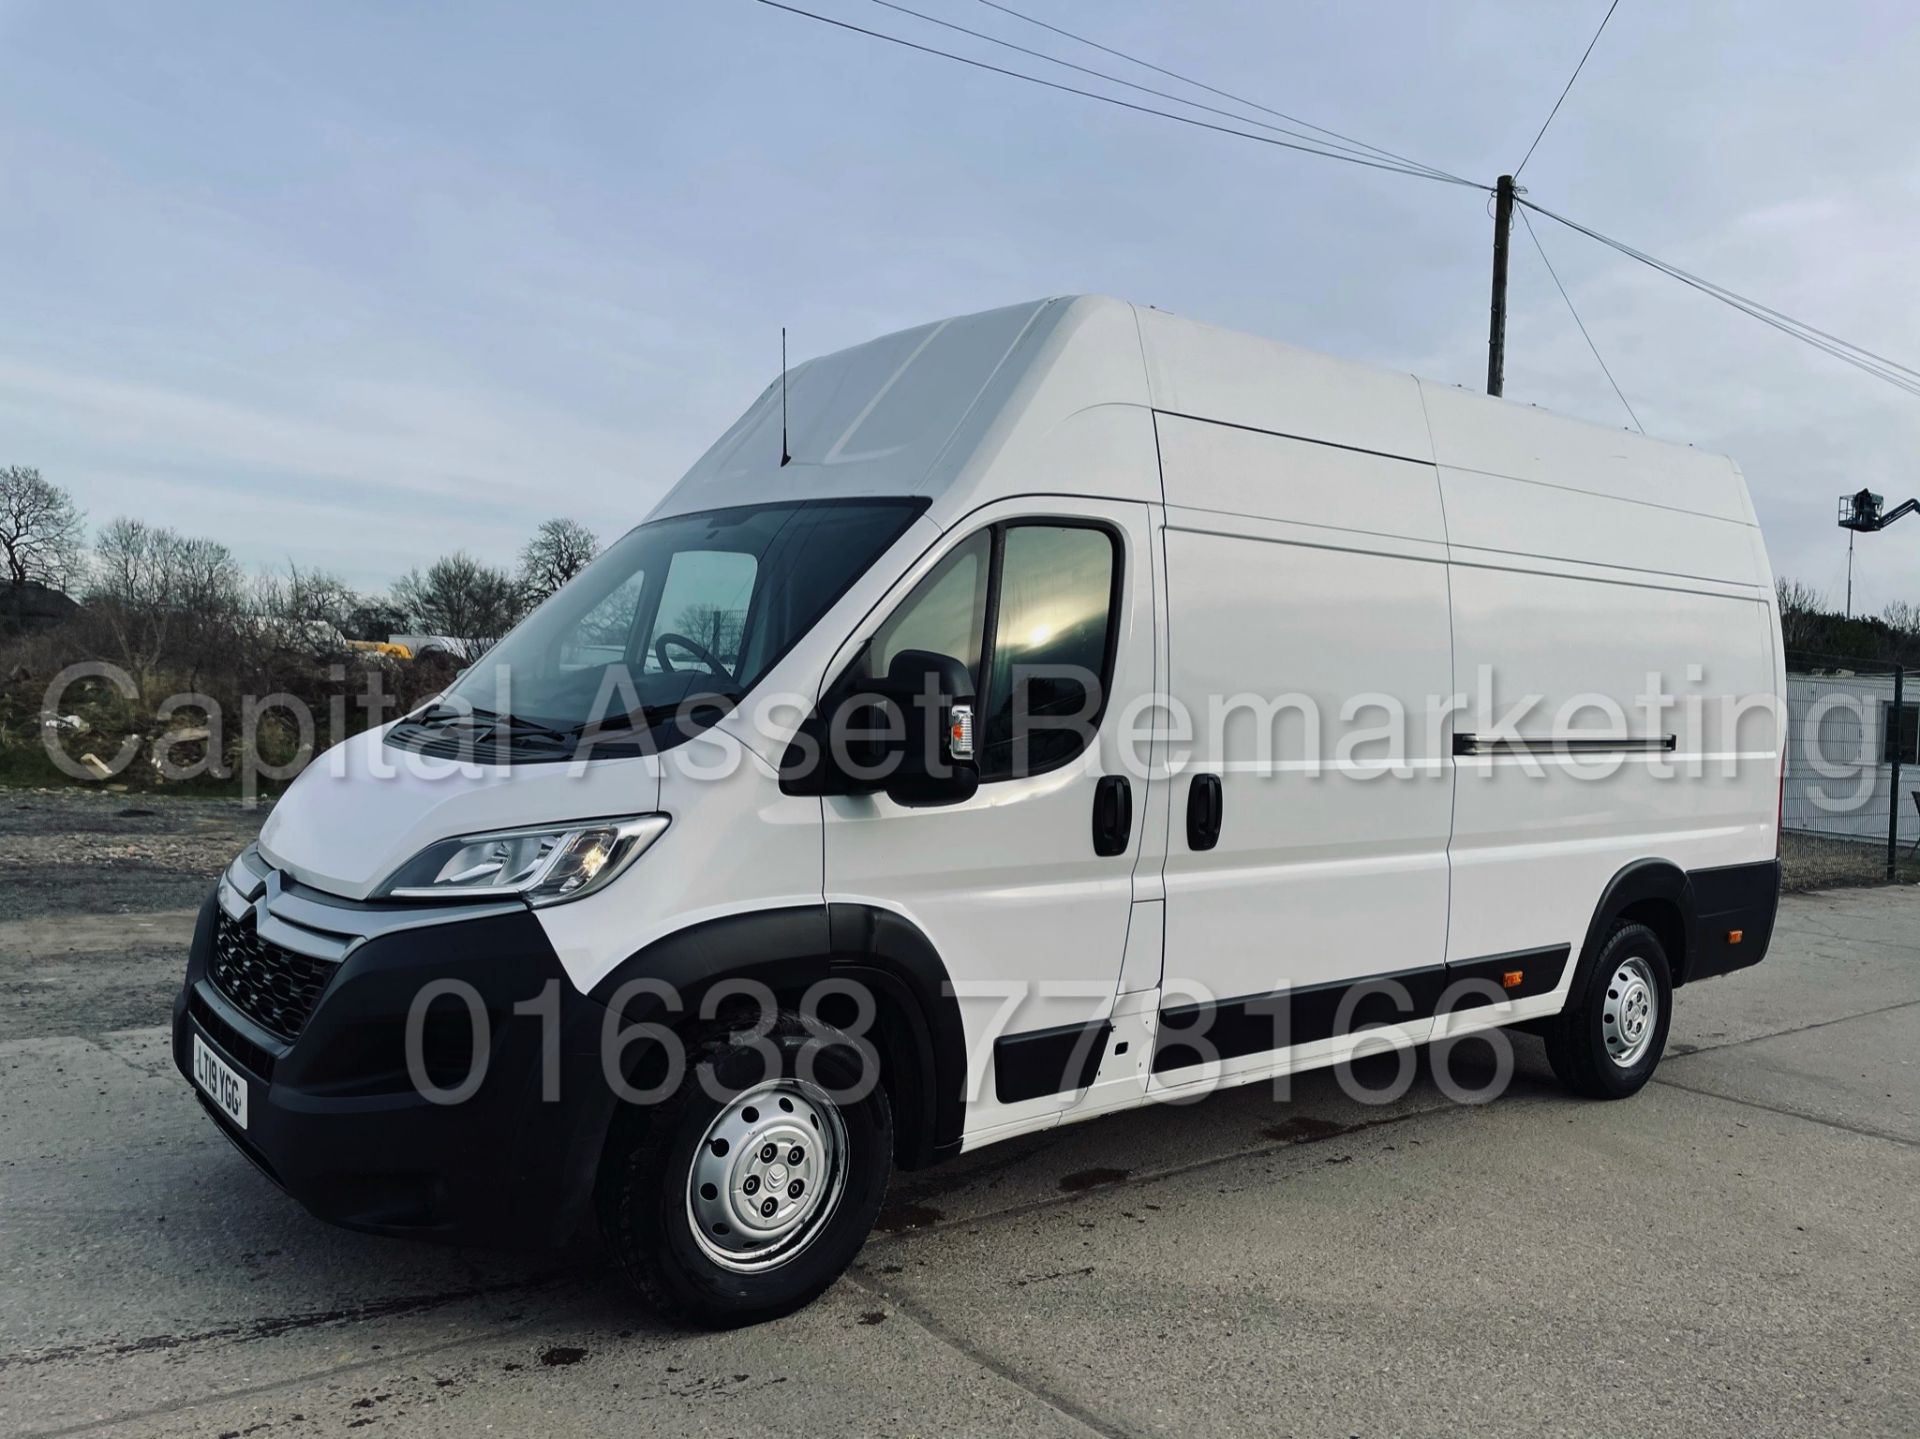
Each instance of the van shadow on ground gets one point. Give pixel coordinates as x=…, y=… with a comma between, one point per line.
x=263, y=1267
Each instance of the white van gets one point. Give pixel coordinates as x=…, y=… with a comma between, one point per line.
x=1012, y=720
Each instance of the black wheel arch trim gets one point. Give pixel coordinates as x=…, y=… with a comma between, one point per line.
x=865, y=935
x=794, y=947
x=1644, y=879
x=1710, y=903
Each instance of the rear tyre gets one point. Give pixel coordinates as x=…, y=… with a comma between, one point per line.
x=743, y=1197
x=1608, y=1041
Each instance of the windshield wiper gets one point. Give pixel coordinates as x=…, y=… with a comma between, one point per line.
x=513, y=726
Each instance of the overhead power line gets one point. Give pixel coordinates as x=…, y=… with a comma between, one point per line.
x=1879, y=365
x=1346, y=148
x=1393, y=167
x=1216, y=90
x=1565, y=92
x=1892, y=371
x=1356, y=148
x=1581, y=323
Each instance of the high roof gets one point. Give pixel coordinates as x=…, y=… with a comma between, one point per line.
x=926, y=411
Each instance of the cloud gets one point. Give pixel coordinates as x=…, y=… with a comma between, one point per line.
x=355, y=459
x=385, y=289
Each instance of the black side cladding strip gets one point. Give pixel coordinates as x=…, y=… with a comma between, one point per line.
x=1193, y=1034
x=1539, y=971
x=1048, y=1061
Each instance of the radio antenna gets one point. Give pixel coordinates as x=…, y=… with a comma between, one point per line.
x=785, y=458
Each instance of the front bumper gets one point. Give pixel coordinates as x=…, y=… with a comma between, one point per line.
x=334, y=1116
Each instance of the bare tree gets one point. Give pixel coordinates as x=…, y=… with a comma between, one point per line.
x=715, y=628
x=167, y=600
x=469, y=602
x=304, y=610
x=558, y=551
x=1903, y=617
x=1802, y=608
x=40, y=529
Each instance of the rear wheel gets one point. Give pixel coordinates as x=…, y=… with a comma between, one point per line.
x=742, y=1197
x=1608, y=1041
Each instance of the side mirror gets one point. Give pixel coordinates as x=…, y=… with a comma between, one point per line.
x=934, y=695
x=909, y=735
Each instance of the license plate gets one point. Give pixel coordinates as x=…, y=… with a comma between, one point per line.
x=221, y=1081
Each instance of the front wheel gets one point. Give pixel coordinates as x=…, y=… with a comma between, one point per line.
x=1609, y=1039
x=750, y=1188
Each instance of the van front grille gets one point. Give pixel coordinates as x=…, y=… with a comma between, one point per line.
x=254, y=1058
x=274, y=987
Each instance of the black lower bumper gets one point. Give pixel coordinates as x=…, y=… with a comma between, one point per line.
x=1732, y=911
x=501, y=1148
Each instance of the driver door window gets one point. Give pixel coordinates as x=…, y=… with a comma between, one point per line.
x=1052, y=621
x=1049, y=588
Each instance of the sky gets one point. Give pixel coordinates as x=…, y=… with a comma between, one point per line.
x=353, y=285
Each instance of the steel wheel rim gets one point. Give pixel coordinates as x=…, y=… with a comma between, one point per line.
x=746, y=1162
x=1630, y=1014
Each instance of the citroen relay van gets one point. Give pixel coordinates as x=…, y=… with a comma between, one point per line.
x=1009, y=721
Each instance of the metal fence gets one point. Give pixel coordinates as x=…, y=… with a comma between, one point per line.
x=1849, y=811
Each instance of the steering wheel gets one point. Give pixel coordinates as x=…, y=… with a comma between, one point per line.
x=700, y=652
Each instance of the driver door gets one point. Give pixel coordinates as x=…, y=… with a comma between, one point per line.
x=1025, y=890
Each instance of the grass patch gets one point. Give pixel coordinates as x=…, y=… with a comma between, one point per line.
x=29, y=765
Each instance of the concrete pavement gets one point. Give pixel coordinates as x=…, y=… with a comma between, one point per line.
x=1735, y=1251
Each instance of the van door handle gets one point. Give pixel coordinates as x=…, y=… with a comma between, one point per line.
x=1204, y=810
x=1112, y=815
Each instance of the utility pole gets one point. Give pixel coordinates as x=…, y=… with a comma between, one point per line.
x=1497, y=329
x=1850, y=535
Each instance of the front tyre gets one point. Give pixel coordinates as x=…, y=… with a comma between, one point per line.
x=1609, y=1039
x=743, y=1195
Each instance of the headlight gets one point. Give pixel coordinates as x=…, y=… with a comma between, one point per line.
x=545, y=865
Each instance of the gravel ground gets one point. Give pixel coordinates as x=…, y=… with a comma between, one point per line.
x=78, y=851
x=97, y=898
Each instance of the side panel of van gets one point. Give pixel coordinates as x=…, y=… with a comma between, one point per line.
x=1308, y=629
x=1537, y=837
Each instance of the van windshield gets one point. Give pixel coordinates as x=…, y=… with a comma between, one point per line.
x=666, y=630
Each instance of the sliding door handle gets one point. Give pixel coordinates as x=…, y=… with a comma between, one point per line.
x=1204, y=812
